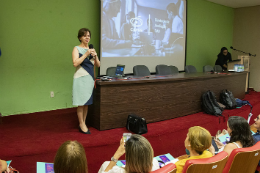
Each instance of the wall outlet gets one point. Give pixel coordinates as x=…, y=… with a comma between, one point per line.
x=52, y=94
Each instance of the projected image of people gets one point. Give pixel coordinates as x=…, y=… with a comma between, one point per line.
x=110, y=38
x=126, y=32
x=136, y=28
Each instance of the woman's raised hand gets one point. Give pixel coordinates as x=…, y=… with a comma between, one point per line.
x=121, y=149
x=219, y=144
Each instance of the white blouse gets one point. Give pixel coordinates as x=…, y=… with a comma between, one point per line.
x=117, y=169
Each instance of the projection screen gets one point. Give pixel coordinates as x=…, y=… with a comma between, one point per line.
x=142, y=32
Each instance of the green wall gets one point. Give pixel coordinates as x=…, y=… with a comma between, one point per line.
x=209, y=27
x=37, y=38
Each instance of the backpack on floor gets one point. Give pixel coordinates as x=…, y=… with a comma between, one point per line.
x=227, y=99
x=210, y=104
x=241, y=103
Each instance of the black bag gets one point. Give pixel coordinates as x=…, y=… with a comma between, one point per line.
x=227, y=99
x=210, y=104
x=136, y=124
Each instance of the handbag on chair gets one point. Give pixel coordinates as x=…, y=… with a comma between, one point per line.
x=136, y=124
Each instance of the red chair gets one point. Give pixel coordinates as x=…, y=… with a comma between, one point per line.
x=213, y=164
x=169, y=168
x=258, y=168
x=243, y=160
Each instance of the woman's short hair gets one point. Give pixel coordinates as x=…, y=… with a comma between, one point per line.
x=138, y=154
x=240, y=131
x=70, y=158
x=82, y=32
x=199, y=138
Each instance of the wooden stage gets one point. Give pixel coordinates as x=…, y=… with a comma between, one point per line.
x=157, y=98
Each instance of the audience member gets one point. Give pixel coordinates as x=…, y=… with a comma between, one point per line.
x=240, y=135
x=139, y=157
x=3, y=166
x=256, y=136
x=70, y=158
x=197, y=142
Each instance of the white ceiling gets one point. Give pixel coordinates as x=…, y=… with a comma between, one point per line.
x=237, y=3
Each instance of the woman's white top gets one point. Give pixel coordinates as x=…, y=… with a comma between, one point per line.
x=222, y=148
x=117, y=169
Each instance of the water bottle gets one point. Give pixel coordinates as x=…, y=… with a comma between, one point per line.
x=235, y=67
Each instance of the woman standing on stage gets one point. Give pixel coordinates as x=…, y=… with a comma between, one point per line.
x=223, y=57
x=84, y=59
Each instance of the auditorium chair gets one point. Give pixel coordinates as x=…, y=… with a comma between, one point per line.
x=213, y=164
x=218, y=68
x=141, y=70
x=163, y=70
x=258, y=168
x=207, y=68
x=243, y=160
x=169, y=168
x=111, y=71
x=190, y=69
x=174, y=69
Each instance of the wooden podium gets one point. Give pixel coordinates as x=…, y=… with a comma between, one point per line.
x=245, y=60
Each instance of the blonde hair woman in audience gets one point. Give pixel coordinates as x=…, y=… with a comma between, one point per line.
x=70, y=158
x=198, y=140
x=138, y=154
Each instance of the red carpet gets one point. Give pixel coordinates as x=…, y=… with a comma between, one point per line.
x=27, y=139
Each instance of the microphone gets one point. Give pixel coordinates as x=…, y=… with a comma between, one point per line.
x=231, y=47
x=91, y=47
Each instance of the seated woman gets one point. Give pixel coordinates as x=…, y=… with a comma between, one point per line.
x=240, y=135
x=198, y=140
x=3, y=165
x=256, y=136
x=138, y=154
x=70, y=158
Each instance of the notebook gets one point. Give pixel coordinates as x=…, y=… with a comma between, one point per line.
x=43, y=167
x=162, y=159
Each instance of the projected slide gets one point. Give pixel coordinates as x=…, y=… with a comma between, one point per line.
x=134, y=31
